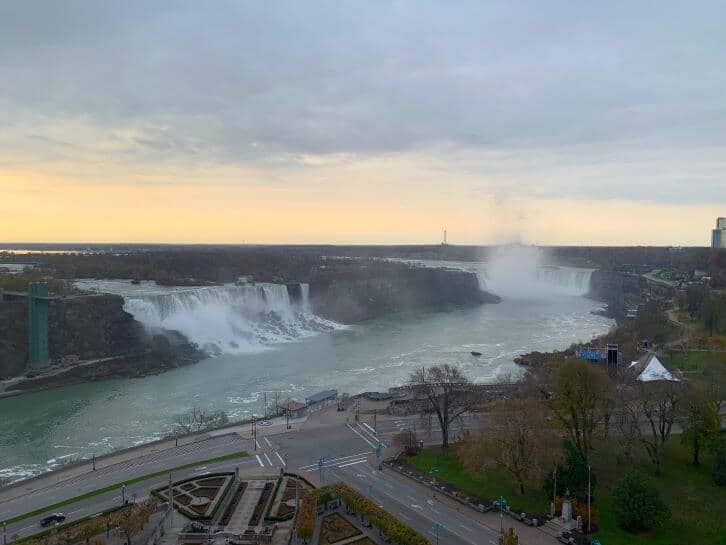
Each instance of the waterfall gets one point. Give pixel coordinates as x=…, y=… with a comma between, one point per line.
x=523, y=282
x=305, y=297
x=568, y=280
x=220, y=319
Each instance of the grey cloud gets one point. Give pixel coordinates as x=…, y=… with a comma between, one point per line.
x=243, y=81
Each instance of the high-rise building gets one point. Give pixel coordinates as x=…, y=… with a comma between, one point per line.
x=718, y=235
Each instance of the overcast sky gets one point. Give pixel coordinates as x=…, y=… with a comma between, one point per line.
x=301, y=121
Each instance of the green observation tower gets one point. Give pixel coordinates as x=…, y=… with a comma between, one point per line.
x=38, y=324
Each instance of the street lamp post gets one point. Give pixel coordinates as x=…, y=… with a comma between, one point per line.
x=435, y=529
x=589, y=471
x=433, y=471
x=379, y=448
x=123, y=494
x=93, y=461
x=5, y=533
x=501, y=502
x=321, y=467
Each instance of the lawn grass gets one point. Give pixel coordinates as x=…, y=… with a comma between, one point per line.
x=698, y=506
x=487, y=486
x=116, y=486
x=693, y=363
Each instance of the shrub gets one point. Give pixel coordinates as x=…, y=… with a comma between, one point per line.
x=509, y=538
x=638, y=505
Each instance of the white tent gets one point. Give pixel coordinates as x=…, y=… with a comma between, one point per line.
x=654, y=370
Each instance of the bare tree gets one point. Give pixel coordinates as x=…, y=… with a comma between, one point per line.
x=581, y=402
x=444, y=391
x=518, y=439
x=198, y=419
x=653, y=408
x=715, y=384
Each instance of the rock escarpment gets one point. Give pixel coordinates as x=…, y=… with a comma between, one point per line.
x=357, y=295
x=84, y=328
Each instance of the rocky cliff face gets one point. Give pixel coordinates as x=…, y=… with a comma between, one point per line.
x=87, y=327
x=360, y=294
x=622, y=291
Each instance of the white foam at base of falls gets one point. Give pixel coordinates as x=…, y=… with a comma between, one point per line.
x=230, y=319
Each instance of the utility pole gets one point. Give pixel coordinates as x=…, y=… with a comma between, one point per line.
x=123, y=494
x=254, y=431
x=93, y=461
x=265, y=394
x=287, y=414
x=5, y=533
x=554, y=488
x=375, y=420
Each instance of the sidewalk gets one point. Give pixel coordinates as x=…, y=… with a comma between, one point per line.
x=85, y=467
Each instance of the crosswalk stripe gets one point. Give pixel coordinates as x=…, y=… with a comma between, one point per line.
x=359, y=434
x=339, y=459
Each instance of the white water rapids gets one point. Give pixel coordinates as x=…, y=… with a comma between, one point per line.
x=229, y=319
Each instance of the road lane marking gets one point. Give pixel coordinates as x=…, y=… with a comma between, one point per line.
x=420, y=511
x=338, y=463
x=339, y=459
x=268, y=459
x=353, y=463
x=372, y=430
x=268, y=441
x=259, y=460
x=280, y=457
x=368, y=434
x=361, y=436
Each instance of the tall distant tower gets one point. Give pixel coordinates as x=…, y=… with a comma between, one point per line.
x=718, y=235
x=444, y=243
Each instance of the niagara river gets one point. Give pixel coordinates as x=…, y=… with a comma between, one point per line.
x=262, y=341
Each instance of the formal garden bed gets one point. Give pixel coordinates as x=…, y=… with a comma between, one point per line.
x=282, y=506
x=198, y=498
x=261, y=506
x=232, y=507
x=335, y=527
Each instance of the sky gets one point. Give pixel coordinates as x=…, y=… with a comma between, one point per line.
x=362, y=122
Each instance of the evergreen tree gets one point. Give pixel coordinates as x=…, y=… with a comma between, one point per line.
x=719, y=464
x=638, y=505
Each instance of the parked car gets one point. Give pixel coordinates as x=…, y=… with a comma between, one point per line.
x=52, y=520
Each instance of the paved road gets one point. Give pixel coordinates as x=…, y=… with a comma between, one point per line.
x=347, y=448
x=415, y=505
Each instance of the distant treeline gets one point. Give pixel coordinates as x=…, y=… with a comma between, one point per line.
x=299, y=263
